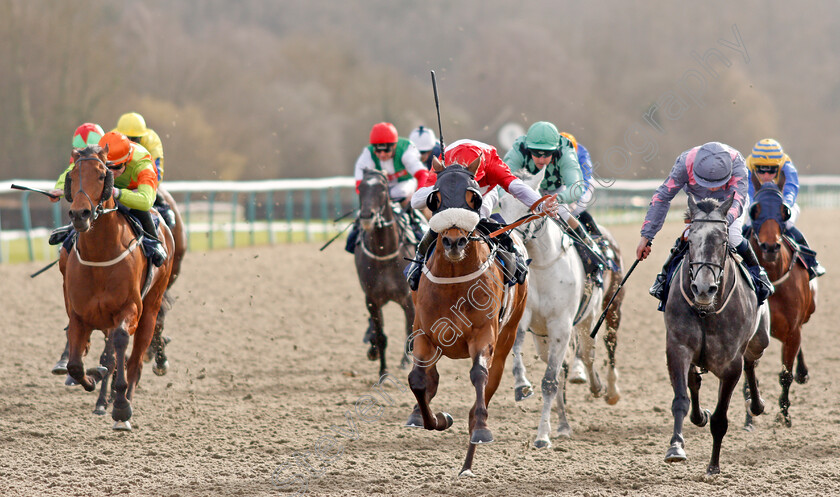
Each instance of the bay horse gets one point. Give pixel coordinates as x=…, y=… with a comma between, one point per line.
x=463, y=308
x=795, y=298
x=561, y=307
x=713, y=324
x=108, y=284
x=380, y=260
x=157, y=349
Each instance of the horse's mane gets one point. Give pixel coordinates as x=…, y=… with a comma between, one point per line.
x=707, y=205
x=89, y=150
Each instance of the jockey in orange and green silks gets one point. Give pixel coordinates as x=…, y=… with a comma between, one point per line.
x=138, y=182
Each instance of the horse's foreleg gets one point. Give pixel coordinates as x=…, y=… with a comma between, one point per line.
x=678, y=363
x=801, y=369
x=378, y=342
x=719, y=422
x=158, y=342
x=611, y=342
x=423, y=381
x=479, y=433
x=698, y=416
x=78, y=337
x=522, y=388
x=790, y=349
x=755, y=349
x=587, y=355
x=121, y=411
x=106, y=362
x=60, y=367
x=408, y=310
x=558, y=343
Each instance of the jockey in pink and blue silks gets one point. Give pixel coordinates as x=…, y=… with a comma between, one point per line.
x=713, y=170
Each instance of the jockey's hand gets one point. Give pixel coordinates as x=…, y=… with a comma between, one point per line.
x=117, y=193
x=58, y=194
x=643, y=250
x=549, y=206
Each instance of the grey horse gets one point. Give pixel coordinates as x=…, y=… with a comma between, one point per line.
x=713, y=324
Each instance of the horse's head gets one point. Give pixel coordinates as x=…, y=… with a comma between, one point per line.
x=373, y=199
x=455, y=202
x=89, y=186
x=708, y=245
x=769, y=213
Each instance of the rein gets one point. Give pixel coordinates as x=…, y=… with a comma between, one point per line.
x=98, y=209
x=524, y=219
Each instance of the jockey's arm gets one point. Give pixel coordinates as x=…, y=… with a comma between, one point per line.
x=59, y=185
x=365, y=161
x=791, y=189
x=569, y=170
x=661, y=200
x=413, y=164
x=141, y=198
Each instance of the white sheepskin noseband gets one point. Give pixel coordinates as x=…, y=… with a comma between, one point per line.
x=454, y=217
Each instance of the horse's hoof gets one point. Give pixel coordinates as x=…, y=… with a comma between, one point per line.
x=415, y=420
x=749, y=427
x=802, y=378
x=121, y=413
x=70, y=382
x=757, y=408
x=675, y=454
x=162, y=369
x=613, y=398
x=404, y=363
x=97, y=373
x=704, y=420
x=60, y=367
x=466, y=474
x=373, y=353
x=713, y=470
x=448, y=421
x=482, y=436
x=122, y=425
x=542, y=444
x=99, y=410
x=578, y=374
x=523, y=392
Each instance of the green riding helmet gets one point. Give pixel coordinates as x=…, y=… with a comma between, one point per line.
x=542, y=135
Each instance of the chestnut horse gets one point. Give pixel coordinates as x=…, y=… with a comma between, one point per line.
x=105, y=281
x=463, y=310
x=795, y=298
x=157, y=349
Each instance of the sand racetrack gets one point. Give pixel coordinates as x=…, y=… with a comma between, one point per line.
x=267, y=359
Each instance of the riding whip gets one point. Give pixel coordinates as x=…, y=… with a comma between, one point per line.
x=339, y=218
x=36, y=273
x=335, y=237
x=437, y=107
x=607, y=308
x=26, y=188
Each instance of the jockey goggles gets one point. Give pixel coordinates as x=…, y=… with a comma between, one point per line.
x=540, y=153
x=384, y=147
x=767, y=169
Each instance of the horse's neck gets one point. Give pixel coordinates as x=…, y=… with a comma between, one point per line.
x=477, y=254
x=547, y=246
x=107, y=237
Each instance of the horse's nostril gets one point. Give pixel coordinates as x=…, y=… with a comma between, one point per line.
x=713, y=289
x=462, y=242
x=694, y=288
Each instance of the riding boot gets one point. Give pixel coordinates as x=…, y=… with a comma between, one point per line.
x=660, y=285
x=165, y=210
x=415, y=269
x=416, y=225
x=589, y=256
x=152, y=245
x=512, y=258
x=589, y=223
x=815, y=269
x=60, y=234
x=763, y=287
x=352, y=238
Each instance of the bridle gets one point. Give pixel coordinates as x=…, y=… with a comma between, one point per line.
x=97, y=210
x=379, y=222
x=692, y=274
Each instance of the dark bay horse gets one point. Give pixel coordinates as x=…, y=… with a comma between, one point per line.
x=107, y=284
x=712, y=324
x=380, y=260
x=463, y=308
x=795, y=298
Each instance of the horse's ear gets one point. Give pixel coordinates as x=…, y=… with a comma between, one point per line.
x=437, y=165
x=782, y=180
x=76, y=153
x=692, y=206
x=726, y=205
x=755, y=210
x=473, y=167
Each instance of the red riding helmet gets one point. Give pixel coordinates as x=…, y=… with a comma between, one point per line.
x=383, y=133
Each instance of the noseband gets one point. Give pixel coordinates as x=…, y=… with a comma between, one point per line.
x=694, y=268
